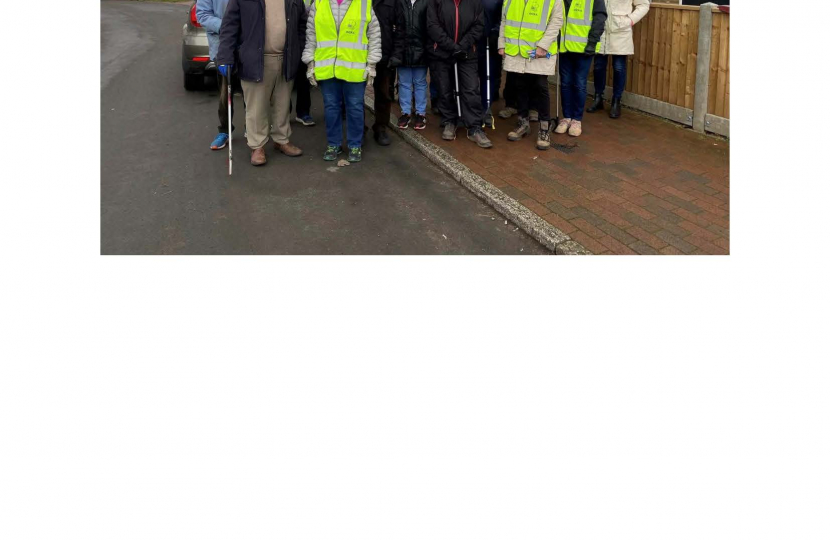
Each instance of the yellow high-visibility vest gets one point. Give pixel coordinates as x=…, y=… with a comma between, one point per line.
x=342, y=55
x=577, y=26
x=525, y=24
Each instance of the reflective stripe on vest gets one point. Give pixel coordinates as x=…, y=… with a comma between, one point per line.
x=577, y=27
x=344, y=54
x=525, y=24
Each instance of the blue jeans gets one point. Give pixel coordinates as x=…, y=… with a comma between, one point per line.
x=618, y=64
x=573, y=72
x=335, y=93
x=410, y=78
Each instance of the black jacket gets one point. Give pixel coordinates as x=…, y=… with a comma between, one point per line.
x=410, y=33
x=242, y=37
x=599, y=15
x=454, y=27
x=385, y=14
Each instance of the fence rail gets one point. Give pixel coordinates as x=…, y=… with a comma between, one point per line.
x=663, y=72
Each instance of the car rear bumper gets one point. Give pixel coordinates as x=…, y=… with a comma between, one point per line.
x=195, y=52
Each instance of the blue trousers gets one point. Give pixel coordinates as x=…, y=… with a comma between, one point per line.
x=573, y=72
x=336, y=93
x=618, y=64
x=412, y=79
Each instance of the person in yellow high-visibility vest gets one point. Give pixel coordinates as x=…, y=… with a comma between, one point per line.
x=527, y=41
x=341, y=50
x=579, y=41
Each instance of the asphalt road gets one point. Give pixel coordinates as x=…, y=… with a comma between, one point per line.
x=164, y=192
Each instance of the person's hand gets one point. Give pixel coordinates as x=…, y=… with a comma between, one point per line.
x=501, y=52
x=459, y=55
x=225, y=69
x=394, y=62
x=591, y=49
x=630, y=20
x=541, y=53
x=369, y=75
x=312, y=80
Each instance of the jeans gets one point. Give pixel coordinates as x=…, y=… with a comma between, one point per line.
x=573, y=72
x=618, y=64
x=409, y=79
x=336, y=92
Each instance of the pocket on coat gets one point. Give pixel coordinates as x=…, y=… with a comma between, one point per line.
x=620, y=23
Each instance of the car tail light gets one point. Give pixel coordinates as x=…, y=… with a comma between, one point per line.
x=201, y=59
x=193, y=20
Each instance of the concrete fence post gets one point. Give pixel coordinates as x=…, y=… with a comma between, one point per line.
x=704, y=54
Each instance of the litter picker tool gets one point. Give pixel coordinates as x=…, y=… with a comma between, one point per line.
x=230, y=125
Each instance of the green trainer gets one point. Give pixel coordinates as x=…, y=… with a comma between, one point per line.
x=332, y=152
x=355, y=154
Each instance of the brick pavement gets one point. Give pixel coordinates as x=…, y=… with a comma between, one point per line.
x=633, y=185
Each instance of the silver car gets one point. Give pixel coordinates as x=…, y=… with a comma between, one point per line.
x=196, y=63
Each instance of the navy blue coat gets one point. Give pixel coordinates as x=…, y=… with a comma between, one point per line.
x=242, y=38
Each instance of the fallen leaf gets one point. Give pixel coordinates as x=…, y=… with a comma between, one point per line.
x=343, y=163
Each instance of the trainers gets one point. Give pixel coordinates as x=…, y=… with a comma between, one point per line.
x=507, y=112
x=449, y=132
x=332, y=152
x=220, y=142
x=305, y=120
x=355, y=154
x=258, y=157
x=563, y=126
x=403, y=121
x=480, y=138
x=522, y=130
x=533, y=116
x=420, y=121
x=576, y=128
x=543, y=138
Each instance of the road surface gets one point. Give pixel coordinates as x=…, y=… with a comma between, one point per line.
x=164, y=192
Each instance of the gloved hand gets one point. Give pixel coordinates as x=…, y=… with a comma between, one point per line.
x=369, y=75
x=394, y=62
x=312, y=80
x=591, y=49
x=225, y=69
x=459, y=55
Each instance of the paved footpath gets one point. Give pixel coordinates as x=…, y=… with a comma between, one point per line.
x=633, y=185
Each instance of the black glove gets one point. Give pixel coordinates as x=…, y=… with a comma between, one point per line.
x=591, y=49
x=394, y=62
x=459, y=55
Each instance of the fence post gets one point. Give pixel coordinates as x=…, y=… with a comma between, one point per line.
x=704, y=54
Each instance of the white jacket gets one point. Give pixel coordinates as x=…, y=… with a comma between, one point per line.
x=537, y=66
x=618, y=37
x=339, y=11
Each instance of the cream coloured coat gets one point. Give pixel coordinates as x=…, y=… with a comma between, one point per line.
x=618, y=37
x=537, y=66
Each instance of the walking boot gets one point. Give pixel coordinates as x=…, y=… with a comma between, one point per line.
x=507, y=112
x=522, y=130
x=543, y=138
x=533, y=115
x=477, y=136
x=288, y=149
x=616, y=108
x=597, y=105
x=449, y=132
x=258, y=157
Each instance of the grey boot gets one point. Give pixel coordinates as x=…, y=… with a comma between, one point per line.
x=522, y=130
x=449, y=132
x=543, y=138
x=479, y=138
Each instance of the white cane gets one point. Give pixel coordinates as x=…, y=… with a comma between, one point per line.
x=457, y=94
x=230, y=124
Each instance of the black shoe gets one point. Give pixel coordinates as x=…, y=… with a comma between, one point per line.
x=598, y=104
x=403, y=121
x=382, y=138
x=420, y=122
x=616, y=108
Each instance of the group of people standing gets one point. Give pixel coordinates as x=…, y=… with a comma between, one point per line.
x=267, y=47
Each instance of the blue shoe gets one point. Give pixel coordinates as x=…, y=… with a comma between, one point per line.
x=306, y=120
x=220, y=142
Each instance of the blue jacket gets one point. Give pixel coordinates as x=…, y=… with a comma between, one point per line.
x=209, y=14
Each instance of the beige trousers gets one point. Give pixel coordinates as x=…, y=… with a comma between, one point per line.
x=266, y=105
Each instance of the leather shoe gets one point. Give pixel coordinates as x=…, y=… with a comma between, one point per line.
x=258, y=157
x=288, y=149
x=616, y=109
x=597, y=105
x=382, y=138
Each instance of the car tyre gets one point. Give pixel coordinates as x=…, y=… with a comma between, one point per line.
x=193, y=82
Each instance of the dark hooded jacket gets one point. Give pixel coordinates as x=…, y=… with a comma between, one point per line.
x=454, y=25
x=410, y=33
x=242, y=38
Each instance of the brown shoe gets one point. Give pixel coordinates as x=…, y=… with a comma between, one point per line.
x=288, y=149
x=258, y=157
